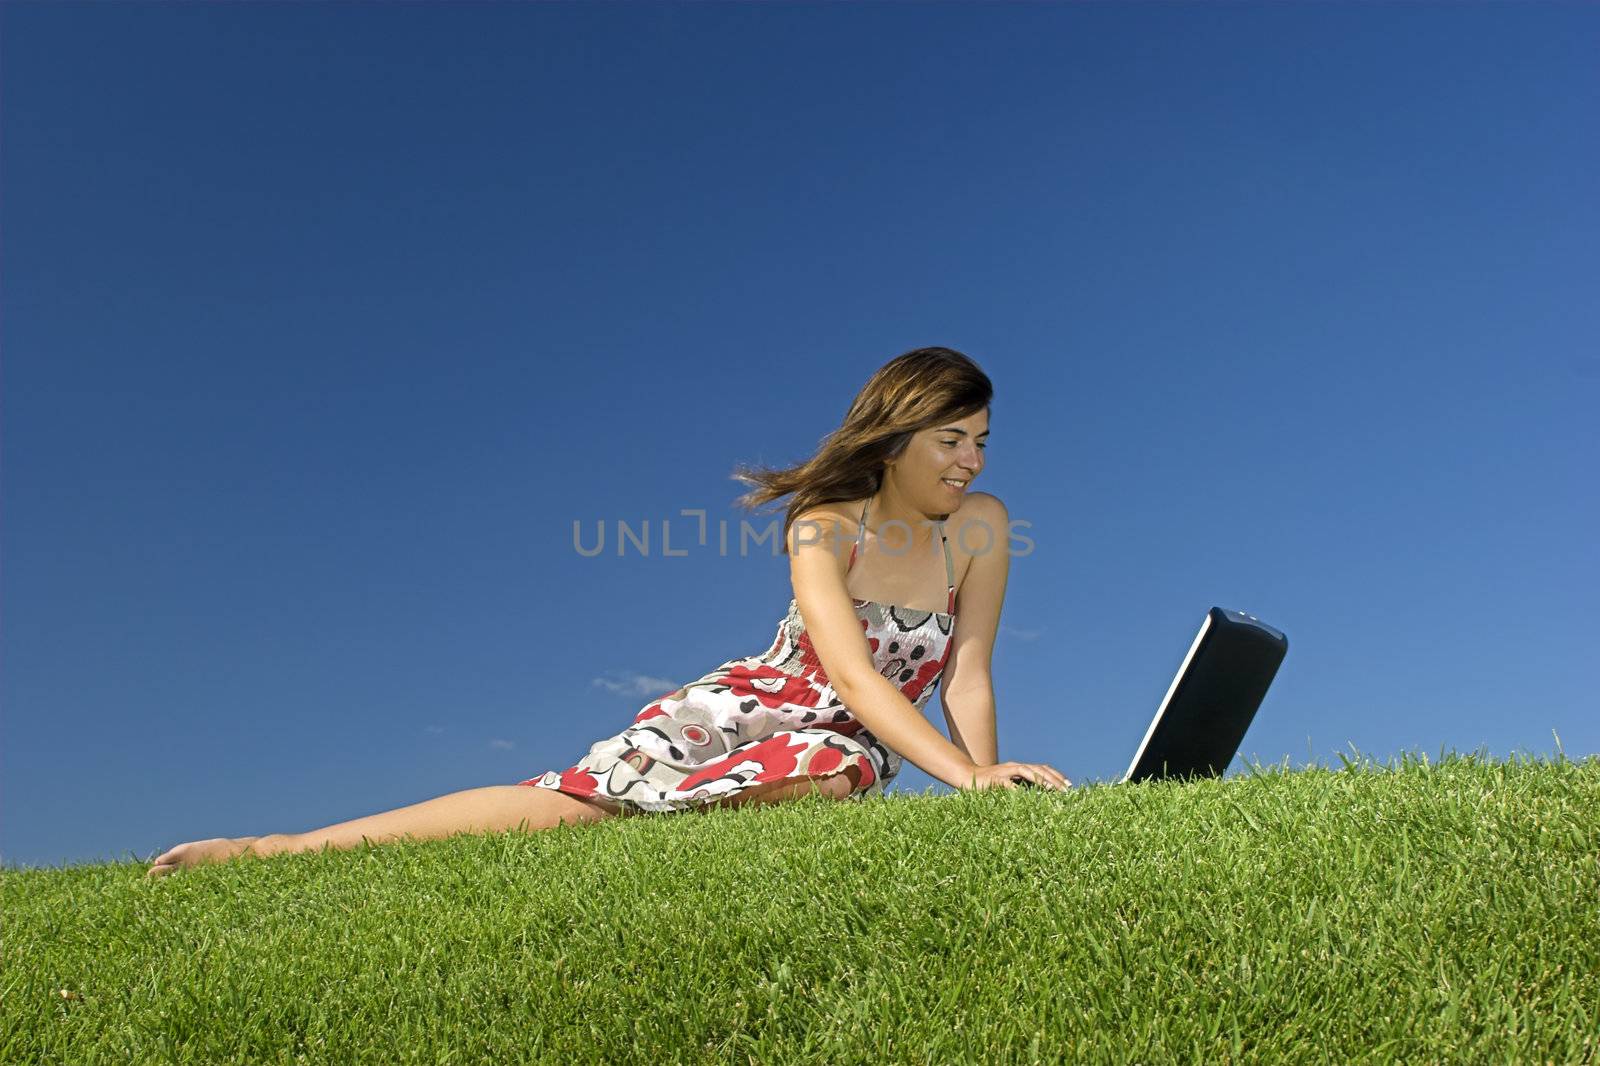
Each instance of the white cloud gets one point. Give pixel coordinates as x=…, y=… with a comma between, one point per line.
x=1020, y=634
x=503, y=745
x=637, y=685
x=433, y=729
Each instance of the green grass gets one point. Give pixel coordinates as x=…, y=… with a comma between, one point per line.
x=1445, y=912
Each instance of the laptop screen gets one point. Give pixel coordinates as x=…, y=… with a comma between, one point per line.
x=1221, y=682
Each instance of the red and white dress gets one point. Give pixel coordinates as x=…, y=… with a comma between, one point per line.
x=766, y=717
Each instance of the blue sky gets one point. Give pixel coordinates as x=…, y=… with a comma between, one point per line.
x=323, y=323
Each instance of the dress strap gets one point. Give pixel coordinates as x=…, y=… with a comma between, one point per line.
x=861, y=534
x=949, y=572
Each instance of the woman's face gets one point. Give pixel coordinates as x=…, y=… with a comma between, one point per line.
x=949, y=451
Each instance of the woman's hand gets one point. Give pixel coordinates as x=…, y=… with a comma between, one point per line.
x=196, y=852
x=1016, y=775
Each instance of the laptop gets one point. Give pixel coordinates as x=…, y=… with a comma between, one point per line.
x=1220, y=684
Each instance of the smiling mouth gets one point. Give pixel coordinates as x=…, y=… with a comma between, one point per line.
x=959, y=486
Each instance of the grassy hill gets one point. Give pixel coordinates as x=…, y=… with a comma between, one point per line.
x=1426, y=913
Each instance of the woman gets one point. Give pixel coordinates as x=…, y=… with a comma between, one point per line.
x=836, y=701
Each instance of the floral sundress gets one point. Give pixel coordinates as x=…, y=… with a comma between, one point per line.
x=766, y=717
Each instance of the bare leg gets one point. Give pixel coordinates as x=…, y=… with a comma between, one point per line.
x=501, y=807
x=473, y=810
x=837, y=785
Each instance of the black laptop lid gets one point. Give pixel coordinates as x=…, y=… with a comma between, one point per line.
x=1209, y=705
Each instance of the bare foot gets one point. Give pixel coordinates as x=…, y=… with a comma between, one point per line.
x=217, y=849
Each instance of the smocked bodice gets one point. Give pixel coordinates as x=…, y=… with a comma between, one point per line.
x=908, y=647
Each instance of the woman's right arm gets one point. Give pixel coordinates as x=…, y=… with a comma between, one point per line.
x=893, y=719
x=819, y=554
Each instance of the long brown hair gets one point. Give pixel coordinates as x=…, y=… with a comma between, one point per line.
x=910, y=392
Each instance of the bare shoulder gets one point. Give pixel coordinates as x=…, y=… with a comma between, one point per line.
x=826, y=523
x=844, y=511
x=984, y=518
x=982, y=505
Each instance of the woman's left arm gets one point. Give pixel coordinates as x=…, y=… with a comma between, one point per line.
x=967, y=688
